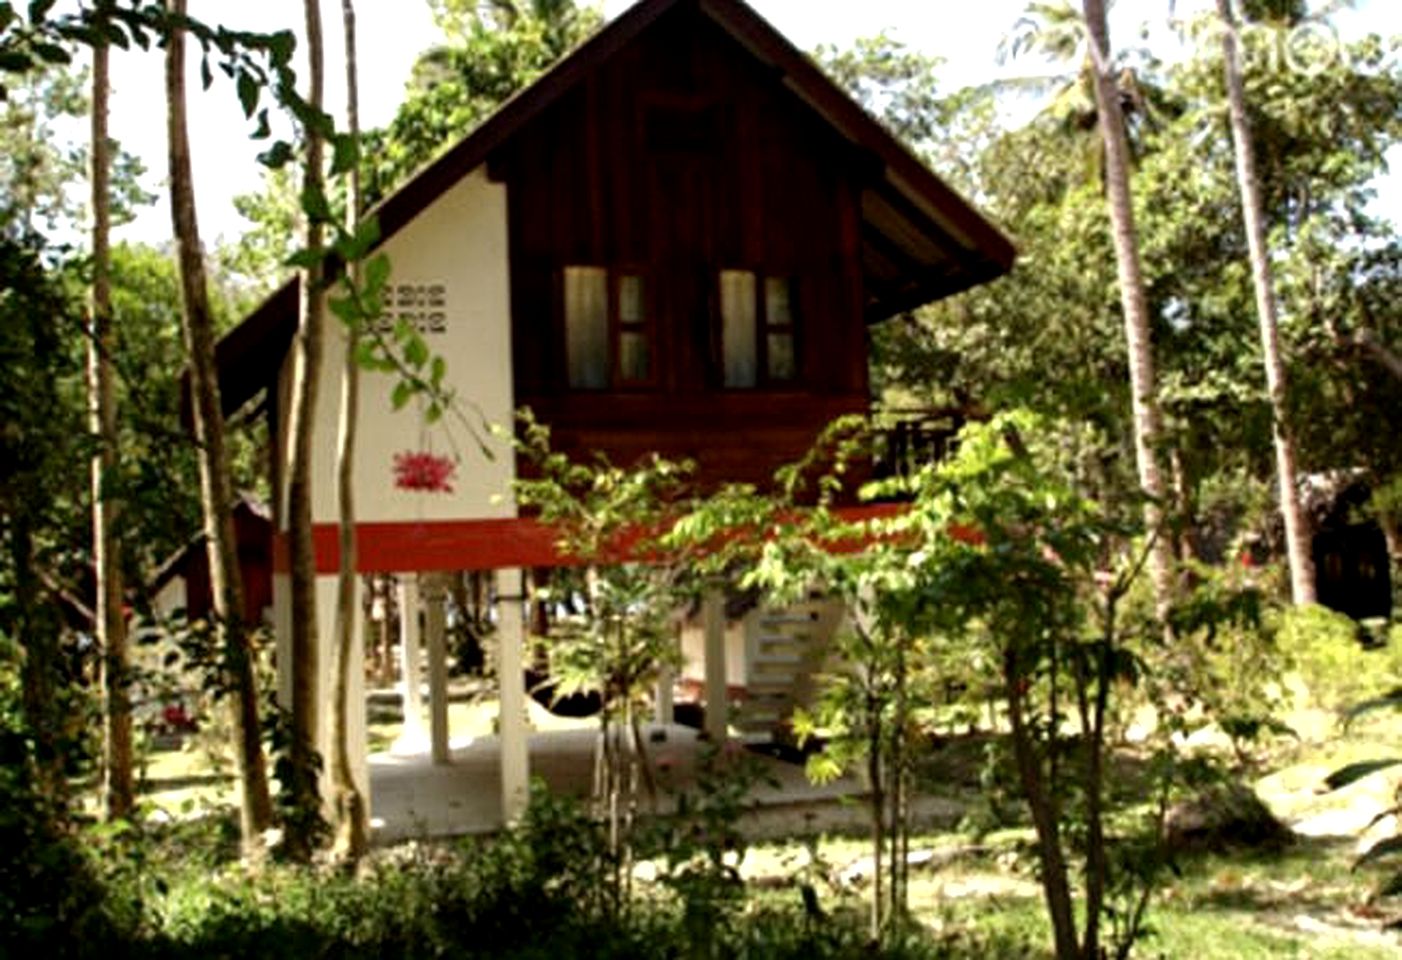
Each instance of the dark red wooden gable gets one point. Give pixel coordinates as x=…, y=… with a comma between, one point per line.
x=684, y=138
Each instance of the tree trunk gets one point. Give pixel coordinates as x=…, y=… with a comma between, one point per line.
x=306, y=372
x=40, y=668
x=1184, y=548
x=352, y=824
x=216, y=486
x=1381, y=353
x=1298, y=547
x=1056, y=887
x=1134, y=302
x=110, y=621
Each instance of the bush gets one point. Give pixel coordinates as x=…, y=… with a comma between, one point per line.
x=1326, y=651
x=53, y=902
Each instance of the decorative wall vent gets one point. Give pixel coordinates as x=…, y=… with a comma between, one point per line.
x=424, y=306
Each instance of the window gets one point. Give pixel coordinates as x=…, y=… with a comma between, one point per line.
x=586, y=326
x=608, y=328
x=738, y=327
x=757, y=329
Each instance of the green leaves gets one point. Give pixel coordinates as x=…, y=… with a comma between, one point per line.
x=315, y=205
x=307, y=259
x=377, y=270
x=276, y=156
x=1357, y=771
x=1388, y=847
x=415, y=351
x=249, y=92
x=345, y=154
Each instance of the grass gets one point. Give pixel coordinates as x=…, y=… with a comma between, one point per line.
x=1304, y=902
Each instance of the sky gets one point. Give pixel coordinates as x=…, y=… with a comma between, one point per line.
x=965, y=34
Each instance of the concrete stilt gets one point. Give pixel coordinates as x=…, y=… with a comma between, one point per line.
x=515, y=751
x=662, y=701
x=435, y=592
x=410, y=663
x=713, y=623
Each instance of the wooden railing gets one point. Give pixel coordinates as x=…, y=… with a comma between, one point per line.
x=907, y=440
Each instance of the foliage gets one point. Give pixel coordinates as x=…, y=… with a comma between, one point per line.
x=37, y=166
x=491, y=51
x=1321, y=136
x=612, y=633
x=1039, y=587
x=52, y=899
x=864, y=714
x=1225, y=666
x=1386, y=852
x=1324, y=648
x=701, y=847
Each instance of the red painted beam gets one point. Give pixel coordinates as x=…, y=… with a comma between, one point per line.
x=462, y=544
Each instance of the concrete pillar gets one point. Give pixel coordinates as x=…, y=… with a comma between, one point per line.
x=410, y=663
x=713, y=624
x=435, y=592
x=666, y=678
x=511, y=669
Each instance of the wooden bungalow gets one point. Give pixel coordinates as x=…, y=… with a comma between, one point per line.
x=674, y=241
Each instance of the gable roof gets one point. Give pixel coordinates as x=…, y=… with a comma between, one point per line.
x=921, y=240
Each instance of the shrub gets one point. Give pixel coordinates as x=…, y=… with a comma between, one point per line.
x=1324, y=649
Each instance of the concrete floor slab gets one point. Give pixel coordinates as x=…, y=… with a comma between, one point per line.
x=411, y=797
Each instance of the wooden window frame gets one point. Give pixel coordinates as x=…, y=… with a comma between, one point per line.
x=617, y=327
x=764, y=328
x=647, y=327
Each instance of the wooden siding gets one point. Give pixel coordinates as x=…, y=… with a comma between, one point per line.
x=681, y=156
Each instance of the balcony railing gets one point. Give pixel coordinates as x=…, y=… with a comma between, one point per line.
x=907, y=440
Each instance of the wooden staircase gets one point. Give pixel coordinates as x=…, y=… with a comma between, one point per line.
x=783, y=650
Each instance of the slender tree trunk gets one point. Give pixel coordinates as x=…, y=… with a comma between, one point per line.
x=39, y=670
x=1381, y=353
x=102, y=417
x=1134, y=302
x=1097, y=865
x=216, y=487
x=301, y=436
x=1184, y=547
x=352, y=826
x=1298, y=547
x=1056, y=887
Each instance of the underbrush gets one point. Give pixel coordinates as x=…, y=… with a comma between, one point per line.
x=534, y=892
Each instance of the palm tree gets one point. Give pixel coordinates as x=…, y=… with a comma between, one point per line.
x=1094, y=97
x=1297, y=534
x=1133, y=300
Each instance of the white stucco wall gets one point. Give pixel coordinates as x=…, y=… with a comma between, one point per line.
x=452, y=262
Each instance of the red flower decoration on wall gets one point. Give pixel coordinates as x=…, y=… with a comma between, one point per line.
x=425, y=471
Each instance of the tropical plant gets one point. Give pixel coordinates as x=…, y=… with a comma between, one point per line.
x=613, y=627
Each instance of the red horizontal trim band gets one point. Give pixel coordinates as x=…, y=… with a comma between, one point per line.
x=459, y=544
